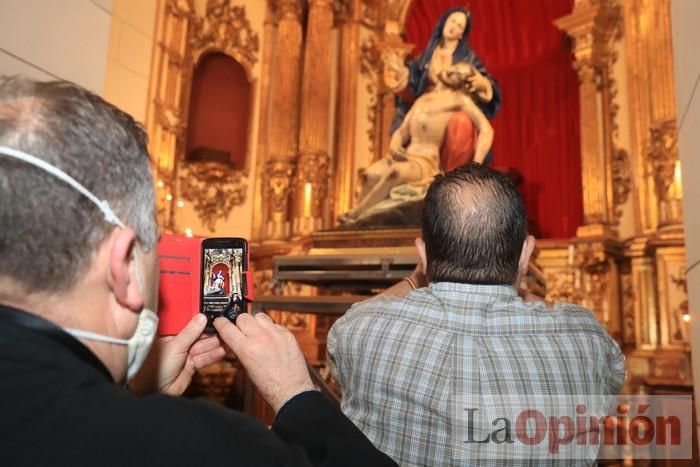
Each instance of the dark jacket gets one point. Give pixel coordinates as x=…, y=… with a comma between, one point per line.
x=59, y=406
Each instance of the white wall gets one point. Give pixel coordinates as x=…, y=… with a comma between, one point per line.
x=131, y=42
x=686, y=37
x=51, y=39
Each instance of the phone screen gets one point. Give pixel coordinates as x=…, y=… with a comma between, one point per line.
x=222, y=282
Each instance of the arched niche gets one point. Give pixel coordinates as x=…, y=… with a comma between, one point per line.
x=195, y=49
x=220, y=108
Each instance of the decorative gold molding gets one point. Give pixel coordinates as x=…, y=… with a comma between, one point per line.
x=600, y=284
x=373, y=14
x=289, y=9
x=343, y=11
x=213, y=188
x=672, y=296
x=665, y=169
x=179, y=8
x=278, y=184
x=313, y=168
x=279, y=181
x=628, y=314
x=170, y=119
x=371, y=65
x=311, y=186
x=681, y=282
x=225, y=28
x=563, y=285
x=621, y=182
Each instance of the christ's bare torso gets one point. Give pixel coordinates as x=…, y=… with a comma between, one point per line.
x=431, y=114
x=423, y=130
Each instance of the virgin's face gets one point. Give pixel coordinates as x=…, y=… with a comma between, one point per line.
x=454, y=26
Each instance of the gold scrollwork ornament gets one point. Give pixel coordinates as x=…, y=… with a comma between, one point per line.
x=279, y=180
x=227, y=28
x=214, y=189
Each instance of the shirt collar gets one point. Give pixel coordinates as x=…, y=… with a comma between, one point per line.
x=491, y=292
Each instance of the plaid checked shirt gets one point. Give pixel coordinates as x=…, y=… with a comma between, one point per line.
x=402, y=362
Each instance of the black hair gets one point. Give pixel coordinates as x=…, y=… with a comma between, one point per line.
x=474, y=226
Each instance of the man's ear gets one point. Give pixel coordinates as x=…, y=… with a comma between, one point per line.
x=122, y=270
x=423, y=258
x=525, y=254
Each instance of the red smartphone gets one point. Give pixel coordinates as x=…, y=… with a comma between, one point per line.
x=178, y=294
x=224, y=283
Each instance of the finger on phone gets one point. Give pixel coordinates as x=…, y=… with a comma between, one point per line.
x=229, y=332
x=248, y=325
x=191, y=332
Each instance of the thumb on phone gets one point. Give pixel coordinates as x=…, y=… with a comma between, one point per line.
x=182, y=342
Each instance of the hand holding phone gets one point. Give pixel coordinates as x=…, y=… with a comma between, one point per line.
x=224, y=279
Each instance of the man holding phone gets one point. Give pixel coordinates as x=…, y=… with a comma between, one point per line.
x=78, y=278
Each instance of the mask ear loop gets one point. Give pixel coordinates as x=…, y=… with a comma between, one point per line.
x=103, y=205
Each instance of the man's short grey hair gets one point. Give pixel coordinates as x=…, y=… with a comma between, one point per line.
x=49, y=232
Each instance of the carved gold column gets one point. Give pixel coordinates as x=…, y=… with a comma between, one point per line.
x=344, y=162
x=165, y=120
x=591, y=26
x=259, y=203
x=284, y=121
x=312, y=175
x=662, y=155
x=651, y=91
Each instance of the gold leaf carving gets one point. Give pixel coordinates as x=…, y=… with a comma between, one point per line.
x=168, y=117
x=225, y=27
x=619, y=159
x=313, y=168
x=287, y=8
x=214, y=189
x=663, y=155
x=279, y=182
x=628, y=299
x=371, y=66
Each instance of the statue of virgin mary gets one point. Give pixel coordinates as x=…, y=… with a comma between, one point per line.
x=448, y=45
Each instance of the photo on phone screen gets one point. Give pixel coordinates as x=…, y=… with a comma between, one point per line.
x=223, y=264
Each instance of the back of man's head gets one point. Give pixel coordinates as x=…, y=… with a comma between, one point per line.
x=49, y=232
x=474, y=226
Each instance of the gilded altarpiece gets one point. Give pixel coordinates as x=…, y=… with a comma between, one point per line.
x=634, y=284
x=184, y=36
x=642, y=275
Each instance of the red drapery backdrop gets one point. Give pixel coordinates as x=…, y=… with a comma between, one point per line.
x=219, y=108
x=537, y=126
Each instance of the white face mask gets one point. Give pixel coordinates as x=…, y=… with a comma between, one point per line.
x=139, y=344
